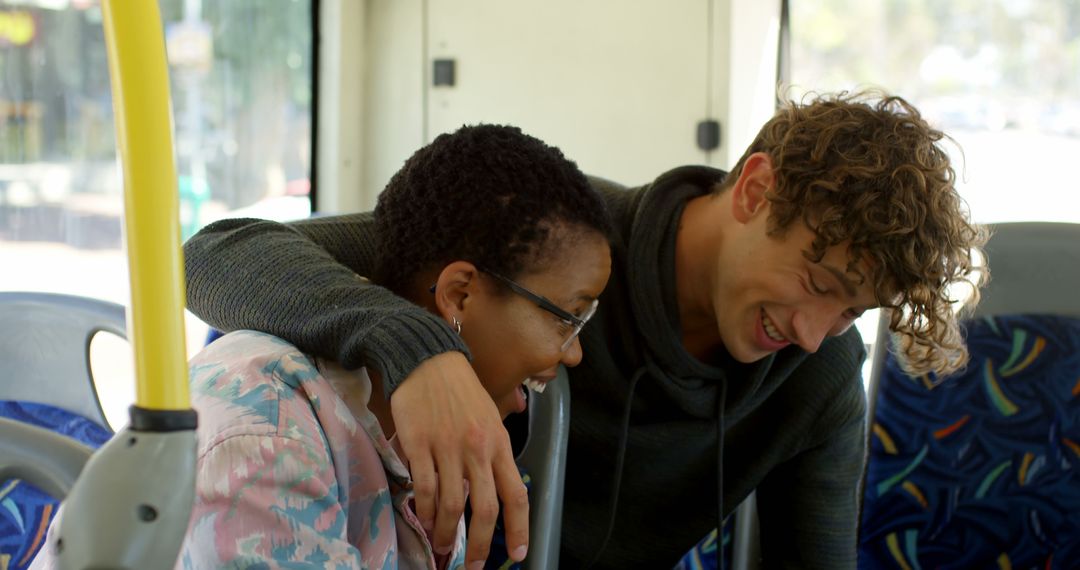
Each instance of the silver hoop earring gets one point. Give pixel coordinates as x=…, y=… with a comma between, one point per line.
x=457, y=325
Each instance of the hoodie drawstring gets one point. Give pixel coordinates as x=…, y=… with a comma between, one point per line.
x=624, y=434
x=613, y=502
x=720, y=401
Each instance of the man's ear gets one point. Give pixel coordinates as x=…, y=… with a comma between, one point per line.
x=455, y=289
x=748, y=193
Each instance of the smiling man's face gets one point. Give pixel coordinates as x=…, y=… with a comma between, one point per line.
x=768, y=295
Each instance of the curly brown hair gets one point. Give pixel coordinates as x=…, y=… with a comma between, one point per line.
x=866, y=169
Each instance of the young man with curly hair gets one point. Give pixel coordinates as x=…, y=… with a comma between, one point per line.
x=722, y=357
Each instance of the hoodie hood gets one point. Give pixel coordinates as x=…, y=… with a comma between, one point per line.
x=691, y=384
x=699, y=390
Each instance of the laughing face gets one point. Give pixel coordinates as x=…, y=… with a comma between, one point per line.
x=517, y=344
x=772, y=296
x=765, y=294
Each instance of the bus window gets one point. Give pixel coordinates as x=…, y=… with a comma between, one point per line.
x=998, y=76
x=242, y=86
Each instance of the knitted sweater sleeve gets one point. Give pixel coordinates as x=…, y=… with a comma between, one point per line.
x=809, y=505
x=300, y=281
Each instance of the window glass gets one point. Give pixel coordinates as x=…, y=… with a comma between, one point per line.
x=241, y=81
x=1001, y=77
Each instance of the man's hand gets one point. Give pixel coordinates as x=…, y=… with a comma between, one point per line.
x=451, y=431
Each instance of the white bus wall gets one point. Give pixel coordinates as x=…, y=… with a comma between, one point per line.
x=618, y=85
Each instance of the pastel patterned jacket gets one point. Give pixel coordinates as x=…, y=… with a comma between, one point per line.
x=294, y=470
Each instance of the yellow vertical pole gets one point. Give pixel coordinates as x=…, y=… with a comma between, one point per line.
x=143, y=480
x=140, y=89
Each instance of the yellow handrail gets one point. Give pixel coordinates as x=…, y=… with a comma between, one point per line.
x=140, y=87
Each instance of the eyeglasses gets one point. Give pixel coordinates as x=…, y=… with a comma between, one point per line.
x=572, y=324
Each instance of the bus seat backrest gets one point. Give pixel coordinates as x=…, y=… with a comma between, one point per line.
x=982, y=469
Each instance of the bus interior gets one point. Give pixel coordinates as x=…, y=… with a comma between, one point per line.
x=287, y=109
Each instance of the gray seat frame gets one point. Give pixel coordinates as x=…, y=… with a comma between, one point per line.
x=45, y=347
x=544, y=459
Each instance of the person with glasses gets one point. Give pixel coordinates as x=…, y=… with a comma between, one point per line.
x=494, y=234
x=721, y=359
x=569, y=325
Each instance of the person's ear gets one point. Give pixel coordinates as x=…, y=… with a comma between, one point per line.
x=748, y=194
x=455, y=289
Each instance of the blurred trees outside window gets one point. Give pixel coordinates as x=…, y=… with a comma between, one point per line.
x=1001, y=77
x=241, y=74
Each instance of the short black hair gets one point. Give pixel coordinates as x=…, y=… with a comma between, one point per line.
x=487, y=194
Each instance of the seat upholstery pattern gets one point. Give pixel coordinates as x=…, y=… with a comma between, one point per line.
x=982, y=469
x=25, y=510
x=47, y=382
x=703, y=555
